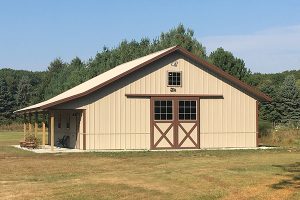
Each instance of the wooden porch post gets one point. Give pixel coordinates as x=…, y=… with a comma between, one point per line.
x=35, y=124
x=44, y=130
x=24, y=125
x=29, y=123
x=52, y=130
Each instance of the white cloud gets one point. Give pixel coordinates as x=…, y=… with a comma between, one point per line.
x=271, y=50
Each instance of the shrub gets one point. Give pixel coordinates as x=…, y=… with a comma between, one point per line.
x=265, y=128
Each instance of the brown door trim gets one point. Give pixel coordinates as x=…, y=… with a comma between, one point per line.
x=197, y=124
x=175, y=123
x=203, y=96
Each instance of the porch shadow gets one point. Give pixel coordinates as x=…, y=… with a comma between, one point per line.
x=293, y=178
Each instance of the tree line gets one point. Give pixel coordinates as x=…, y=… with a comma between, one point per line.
x=20, y=88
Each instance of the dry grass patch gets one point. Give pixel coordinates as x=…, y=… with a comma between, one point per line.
x=238, y=174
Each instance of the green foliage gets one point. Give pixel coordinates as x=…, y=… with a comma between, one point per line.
x=285, y=105
x=289, y=101
x=265, y=127
x=22, y=88
x=55, y=78
x=24, y=92
x=182, y=37
x=6, y=103
x=226, y=61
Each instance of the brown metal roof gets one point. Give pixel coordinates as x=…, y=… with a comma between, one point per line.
x=122, y=70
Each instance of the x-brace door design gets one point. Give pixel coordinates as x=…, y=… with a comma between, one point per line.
x=175, y=123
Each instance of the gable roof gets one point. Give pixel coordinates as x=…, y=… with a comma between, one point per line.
x=124, y=69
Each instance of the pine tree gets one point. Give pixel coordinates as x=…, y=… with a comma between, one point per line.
x=6, y=103
x=269, y=110
x=24, y=92
x=289, y=106
x=226, y=61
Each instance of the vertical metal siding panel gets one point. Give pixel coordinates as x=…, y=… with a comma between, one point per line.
x=142, y=124
x=132, y=119
x=80, y=132
x=123, y=118
x=152, y=82
x=138, y=117
x=222, y=139
x=238, y=119
x=158, y=81
x=247, y=120
x=118, y=119
x=106, y=138
x=144, y=121
x=147, y=125
x=112, y=121
x=224, y=117
x=92, y=126
x=211, y=123
x=219, y=122
x=214, y=123
x=87, y=126
x=97, y=125
x=101, y=123
x=148, y=84
x=193, y=78
x=208, y=125
x=234, y=116
x=242, y=119
x=128, y=110
x=186, y=87
x=202, y=124
x=163, y=79
x=253, y=120
x=231, y=116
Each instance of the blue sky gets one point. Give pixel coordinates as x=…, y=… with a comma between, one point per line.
x=265, y=33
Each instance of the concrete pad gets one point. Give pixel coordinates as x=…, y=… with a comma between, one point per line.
x=47, y=149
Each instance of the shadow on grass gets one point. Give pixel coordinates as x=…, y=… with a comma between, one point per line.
x=293, y=180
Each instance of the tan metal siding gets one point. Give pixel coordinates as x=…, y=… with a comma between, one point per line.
x=117, y=122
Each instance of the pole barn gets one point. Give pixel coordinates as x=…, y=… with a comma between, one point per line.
x=170, y=99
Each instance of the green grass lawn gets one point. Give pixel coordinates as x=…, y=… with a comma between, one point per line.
x=234, y=174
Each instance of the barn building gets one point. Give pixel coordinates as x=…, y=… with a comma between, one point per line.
x=170, y=99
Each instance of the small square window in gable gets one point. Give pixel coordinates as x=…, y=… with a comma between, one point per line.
x=174, y=79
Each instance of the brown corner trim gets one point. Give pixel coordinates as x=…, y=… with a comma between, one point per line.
x=201, y=96
x=257, y=121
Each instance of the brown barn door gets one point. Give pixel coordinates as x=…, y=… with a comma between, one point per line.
x=174, y=123
x=162, y=128
x=188, y=124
